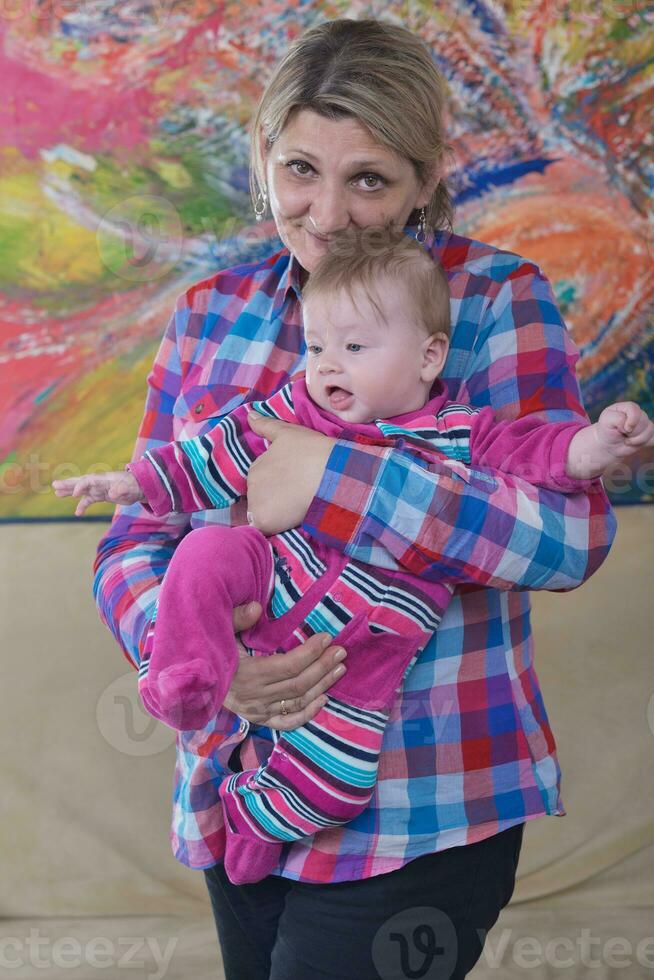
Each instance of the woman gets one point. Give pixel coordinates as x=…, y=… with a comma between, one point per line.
x=349, y=132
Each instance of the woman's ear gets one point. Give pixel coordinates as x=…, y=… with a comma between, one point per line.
x=434, y=354
x=429, y=186
x=264, y=150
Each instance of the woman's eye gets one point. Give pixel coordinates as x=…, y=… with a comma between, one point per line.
x=300, y=167
x=371, y=180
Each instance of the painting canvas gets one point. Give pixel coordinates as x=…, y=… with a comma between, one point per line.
x=124, y=178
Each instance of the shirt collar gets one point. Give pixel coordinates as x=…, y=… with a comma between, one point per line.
x=288, y=281
x=294, y=272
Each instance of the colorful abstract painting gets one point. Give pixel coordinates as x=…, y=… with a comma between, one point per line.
x=123, y=177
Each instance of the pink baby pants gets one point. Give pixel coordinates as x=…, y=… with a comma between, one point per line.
x=319, y=775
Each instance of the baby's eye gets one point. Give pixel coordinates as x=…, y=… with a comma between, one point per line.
x=314, y=348
x=355, y=348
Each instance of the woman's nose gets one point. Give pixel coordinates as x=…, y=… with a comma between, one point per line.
x=328, y=213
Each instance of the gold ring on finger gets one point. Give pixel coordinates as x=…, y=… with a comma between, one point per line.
x=284, y=708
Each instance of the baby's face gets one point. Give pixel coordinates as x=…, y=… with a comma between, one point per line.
x=361, y=367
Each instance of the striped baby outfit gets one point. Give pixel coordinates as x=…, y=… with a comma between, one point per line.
x=322, y=774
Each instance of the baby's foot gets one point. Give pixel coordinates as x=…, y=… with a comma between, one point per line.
x=249, y=857
x=247, y=861
x=183, y=696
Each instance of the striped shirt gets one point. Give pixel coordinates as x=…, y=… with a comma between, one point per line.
x=468, y=750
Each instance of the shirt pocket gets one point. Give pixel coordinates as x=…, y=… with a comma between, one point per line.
x=199, y=407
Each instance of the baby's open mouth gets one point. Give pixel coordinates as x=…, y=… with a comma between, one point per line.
x=338, y=397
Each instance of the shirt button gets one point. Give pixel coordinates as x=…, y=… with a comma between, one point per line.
x=243, y=726
x=199, y=407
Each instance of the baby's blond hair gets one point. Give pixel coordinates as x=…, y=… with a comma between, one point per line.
x=359, y=257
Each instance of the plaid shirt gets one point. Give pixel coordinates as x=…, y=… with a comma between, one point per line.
x=468, y=750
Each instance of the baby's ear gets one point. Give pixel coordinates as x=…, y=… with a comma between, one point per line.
x=434, y=355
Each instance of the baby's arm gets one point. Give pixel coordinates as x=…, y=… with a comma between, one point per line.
x=208, y=471
x=93, y=488
x=621, y=430
x=211, y=470
x=562, y=456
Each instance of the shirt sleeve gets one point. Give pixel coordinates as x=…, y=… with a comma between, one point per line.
x=132, y=556
x=471, y=524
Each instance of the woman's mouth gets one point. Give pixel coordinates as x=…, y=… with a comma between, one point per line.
x=318, y=238
x=339, y=398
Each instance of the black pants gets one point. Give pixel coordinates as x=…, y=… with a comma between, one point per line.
x=426, y=920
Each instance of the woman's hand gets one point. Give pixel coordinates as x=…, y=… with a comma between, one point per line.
x=283, y=481
x=299, y=677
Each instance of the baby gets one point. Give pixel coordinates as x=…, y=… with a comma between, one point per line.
x=376, y=325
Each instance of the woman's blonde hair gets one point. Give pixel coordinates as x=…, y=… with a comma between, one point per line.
x=360, y=257
x=380, y=74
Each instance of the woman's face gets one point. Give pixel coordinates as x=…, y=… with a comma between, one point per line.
x=325, y=175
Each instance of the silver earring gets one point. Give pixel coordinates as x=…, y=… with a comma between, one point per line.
x=260, y=206
x=422, y=227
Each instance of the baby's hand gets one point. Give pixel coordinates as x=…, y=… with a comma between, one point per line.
x=93, y=488
x=625, y=428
